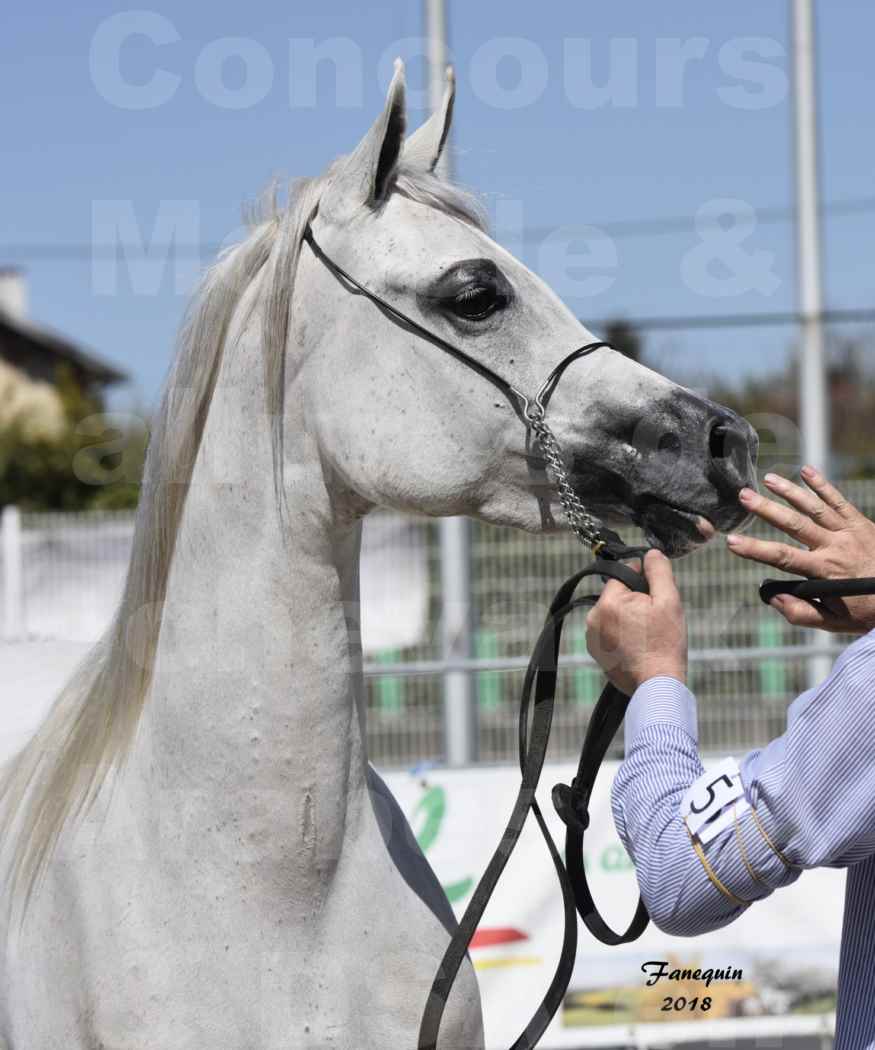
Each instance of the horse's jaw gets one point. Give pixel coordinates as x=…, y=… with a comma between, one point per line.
x=675, y=530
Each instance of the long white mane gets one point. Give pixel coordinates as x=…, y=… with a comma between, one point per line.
x=92, y=724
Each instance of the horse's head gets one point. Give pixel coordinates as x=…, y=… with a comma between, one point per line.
x=402, y=423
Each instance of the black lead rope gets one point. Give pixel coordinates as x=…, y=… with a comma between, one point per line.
x=814, y=590
x=571, y=802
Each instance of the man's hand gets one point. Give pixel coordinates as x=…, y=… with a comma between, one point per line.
x=839, y=543
x=638, y=636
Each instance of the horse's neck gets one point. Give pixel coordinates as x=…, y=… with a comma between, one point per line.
x=254, y=729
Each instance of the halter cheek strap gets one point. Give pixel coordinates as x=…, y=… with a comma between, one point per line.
x=588, y=529
x=520, y=401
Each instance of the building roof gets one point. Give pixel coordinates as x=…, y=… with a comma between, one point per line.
x=44, y=340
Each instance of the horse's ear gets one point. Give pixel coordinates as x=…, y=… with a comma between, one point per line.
x=364, y=177
x=424, y=147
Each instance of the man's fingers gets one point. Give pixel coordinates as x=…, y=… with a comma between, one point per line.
x=803, y=614
x=612, y=591
x=788, y=520
x=829, y=494
x=604, y=612
x=818, y=510
x=778, y=555
x=660, y=577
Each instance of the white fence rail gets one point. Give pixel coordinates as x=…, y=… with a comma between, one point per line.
x=62, y=575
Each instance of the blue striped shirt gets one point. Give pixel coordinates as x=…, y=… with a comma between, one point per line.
x=813, y=792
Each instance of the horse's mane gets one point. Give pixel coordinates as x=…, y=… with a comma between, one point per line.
x=93, y=722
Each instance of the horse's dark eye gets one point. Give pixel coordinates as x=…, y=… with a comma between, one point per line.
x=477, y=302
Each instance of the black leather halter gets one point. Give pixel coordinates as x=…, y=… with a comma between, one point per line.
x=532, y=411
x=539, y=694
x=522, y=404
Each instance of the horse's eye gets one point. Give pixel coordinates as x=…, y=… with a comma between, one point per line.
x=477, y=302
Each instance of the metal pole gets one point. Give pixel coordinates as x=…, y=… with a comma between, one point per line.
x=812, y=379
x=813, y=405
x=460, y=713
x=13, y=593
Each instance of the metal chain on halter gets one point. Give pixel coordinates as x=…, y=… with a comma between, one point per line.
x=587, y=528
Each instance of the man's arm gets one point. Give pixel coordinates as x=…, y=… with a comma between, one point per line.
x=811, y=792
x=640, y=640
x=809, y=797
x=662, y=761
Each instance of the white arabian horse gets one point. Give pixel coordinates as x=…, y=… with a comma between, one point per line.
x=197, y=852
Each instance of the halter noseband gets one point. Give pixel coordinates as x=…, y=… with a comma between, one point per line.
x=532, y=411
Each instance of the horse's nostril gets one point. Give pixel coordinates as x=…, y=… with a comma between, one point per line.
x=718, y=441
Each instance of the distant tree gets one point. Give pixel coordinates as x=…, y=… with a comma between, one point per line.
x=851, y=391
x=625, y=338
x=82, y=461
x=31, y=406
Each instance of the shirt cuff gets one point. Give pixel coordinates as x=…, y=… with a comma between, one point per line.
x=661, y=699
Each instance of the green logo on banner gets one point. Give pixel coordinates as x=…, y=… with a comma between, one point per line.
x=615, y=858
x=432, y=807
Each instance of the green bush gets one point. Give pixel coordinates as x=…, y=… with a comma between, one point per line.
x=96, y=462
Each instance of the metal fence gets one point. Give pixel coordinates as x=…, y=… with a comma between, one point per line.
x=746, y=664
x=62, y=575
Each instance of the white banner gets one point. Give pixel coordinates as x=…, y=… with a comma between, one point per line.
x=393, y=575
x=780, y=957
x=74, y=568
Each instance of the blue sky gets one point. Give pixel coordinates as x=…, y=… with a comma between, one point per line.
x=543, y=148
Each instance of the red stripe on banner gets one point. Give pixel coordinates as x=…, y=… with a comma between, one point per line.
x=487, y=936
